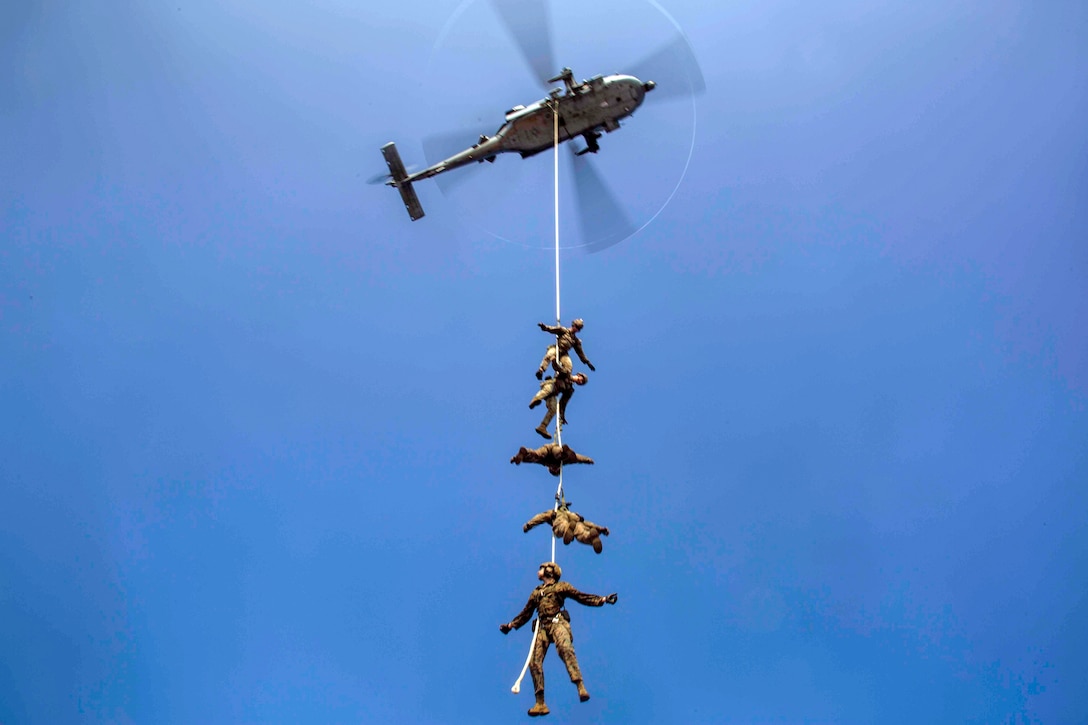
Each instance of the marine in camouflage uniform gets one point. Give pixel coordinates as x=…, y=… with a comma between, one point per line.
x=566, y=339
x=561, y=386
x=553, y=626
x=551, y=455
x=568, y=526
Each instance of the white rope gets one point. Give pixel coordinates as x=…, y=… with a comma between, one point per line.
x=558, y=321
x=558, y=364
x=555, y=126
x=517, y=685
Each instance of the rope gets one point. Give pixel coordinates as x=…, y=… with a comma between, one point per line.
x=558, y=418
x=555, y=128
x=558, y=321
x=517, y=685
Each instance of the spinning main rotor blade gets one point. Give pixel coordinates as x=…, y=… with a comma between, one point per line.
x=439, y=147
x=601, y=217
x=673, y=68
x=529, y=25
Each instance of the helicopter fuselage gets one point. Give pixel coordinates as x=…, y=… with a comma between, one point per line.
x=584, y=110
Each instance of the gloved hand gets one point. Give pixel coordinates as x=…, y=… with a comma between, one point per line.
x=591, y=368
x=525, y=528
x=504, y=628
x=542, y=326
x=611, y=598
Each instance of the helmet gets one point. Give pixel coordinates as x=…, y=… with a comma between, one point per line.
x=552, y=569
x=579, y=322
x=580, y=378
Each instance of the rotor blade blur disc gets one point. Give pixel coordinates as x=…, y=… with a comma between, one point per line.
x=528, y=23
x=601, y=217
x=673, y=68
x=439, y=147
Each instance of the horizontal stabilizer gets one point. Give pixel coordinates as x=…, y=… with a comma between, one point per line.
x=400, y=176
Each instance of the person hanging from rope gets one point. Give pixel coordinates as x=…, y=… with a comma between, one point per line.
x=553, y=626
x=562, y=385
x=568, y=526
x=551, y=455
x=566, y=338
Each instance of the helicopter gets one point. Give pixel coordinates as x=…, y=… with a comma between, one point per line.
x=586, y=109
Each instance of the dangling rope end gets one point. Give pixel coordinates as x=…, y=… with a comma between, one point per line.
x=517, y=685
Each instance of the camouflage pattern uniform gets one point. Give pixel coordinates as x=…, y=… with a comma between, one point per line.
x=567, y=338
x=561, y=386
x=551, y=455
x=553, y=626
x=568, y=526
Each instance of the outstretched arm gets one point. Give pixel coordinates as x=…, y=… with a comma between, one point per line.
x=544, y=517
x=589, y=600
x=523, y=616
x=553, y=329
x=581, y=355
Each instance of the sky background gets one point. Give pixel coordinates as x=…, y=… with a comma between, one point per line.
x=256, y=423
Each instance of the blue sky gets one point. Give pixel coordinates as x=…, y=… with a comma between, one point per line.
x=257, y=423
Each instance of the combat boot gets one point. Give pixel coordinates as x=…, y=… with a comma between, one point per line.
x=540, y=374
x=539, y=708
x=583, y=695
x=543, y=431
